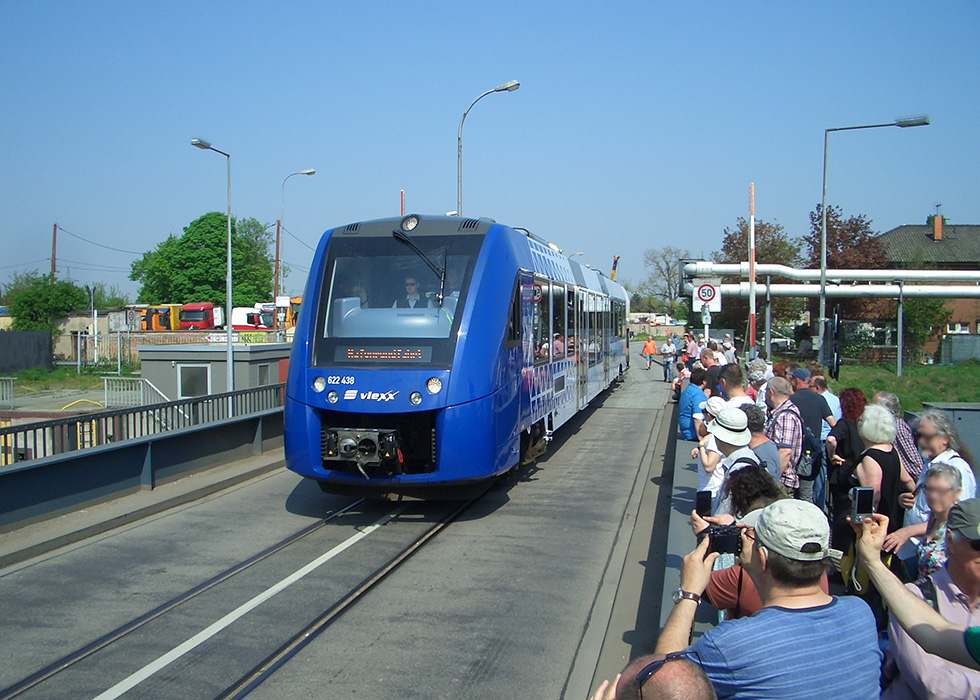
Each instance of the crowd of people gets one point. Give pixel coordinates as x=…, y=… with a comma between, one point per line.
x=820, y=598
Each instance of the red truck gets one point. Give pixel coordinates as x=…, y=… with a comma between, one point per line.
x=201, y=316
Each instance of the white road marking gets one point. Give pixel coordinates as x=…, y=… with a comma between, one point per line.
x=205, y=634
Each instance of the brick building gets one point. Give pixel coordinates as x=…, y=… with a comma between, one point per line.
x=943, y=246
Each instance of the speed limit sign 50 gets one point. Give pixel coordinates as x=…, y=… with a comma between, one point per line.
x=707, y=292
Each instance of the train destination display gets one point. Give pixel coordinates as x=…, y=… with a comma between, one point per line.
x=387, y=353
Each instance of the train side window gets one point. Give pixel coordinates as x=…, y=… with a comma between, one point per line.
x=513, y=337
x=541, y=323
x=570, y=337
x=559, y=341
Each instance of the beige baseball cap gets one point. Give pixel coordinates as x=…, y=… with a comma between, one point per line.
x=795, y=529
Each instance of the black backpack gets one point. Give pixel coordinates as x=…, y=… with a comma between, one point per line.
x=808, y=465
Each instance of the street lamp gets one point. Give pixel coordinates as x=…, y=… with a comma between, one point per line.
x=822, y=320
x=509, y=86
x=230, y=354
x=282, y=200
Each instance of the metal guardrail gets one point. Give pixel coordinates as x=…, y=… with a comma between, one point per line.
x=7, y=392
x=123, y=392
x=30, y=441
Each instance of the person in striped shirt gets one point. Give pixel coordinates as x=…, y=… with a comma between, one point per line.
x=804, y=644
x=785, y=428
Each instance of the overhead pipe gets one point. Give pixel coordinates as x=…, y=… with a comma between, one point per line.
x=707, y=269
x=877, y=291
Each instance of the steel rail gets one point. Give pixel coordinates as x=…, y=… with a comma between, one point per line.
x=113, y=636
x=262, y=671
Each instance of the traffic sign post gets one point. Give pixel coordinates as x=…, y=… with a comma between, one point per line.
x=706, y=320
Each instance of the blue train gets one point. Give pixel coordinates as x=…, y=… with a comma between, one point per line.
x=433, y=353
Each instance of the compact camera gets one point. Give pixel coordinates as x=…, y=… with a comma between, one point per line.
x=862, y=504
x=724, y=539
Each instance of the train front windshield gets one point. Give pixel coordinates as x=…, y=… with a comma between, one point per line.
x=382, y=304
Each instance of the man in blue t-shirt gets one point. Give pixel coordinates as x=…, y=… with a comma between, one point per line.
x=691, y=399
x=803, y=644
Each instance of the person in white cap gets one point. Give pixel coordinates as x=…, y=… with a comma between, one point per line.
x=728, y=350
x=804, y=644
x=730, y=428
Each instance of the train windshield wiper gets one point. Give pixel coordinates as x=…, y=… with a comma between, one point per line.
x=440, y=272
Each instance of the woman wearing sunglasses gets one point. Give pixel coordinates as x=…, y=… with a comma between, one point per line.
x=940, y=443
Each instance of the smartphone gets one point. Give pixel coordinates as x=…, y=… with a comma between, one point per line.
x=702, y=503
x=862, y=503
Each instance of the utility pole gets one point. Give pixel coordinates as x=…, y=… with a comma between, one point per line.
x=275, y=277
x=54, y=241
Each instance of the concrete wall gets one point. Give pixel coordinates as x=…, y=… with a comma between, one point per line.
x=49, y=487
x=21, y=350
x=966, y=418
x=960, y=348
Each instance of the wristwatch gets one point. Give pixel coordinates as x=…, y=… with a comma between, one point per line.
x=680, y=594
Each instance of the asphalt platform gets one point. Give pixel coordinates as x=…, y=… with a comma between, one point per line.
x=584, y=546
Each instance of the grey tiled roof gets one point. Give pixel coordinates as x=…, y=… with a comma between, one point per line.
x=959, y=247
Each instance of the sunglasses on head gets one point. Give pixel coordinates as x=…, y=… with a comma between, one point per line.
x=651, y=668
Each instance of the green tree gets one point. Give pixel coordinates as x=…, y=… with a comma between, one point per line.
x=109, y=296
x=192, y=267
x=642, y=299
x=772, y=246
x=18, y=282
x=924, y=318
x=35, y=304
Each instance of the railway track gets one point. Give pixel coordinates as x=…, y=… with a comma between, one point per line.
x=50, y=674
x=115, y=635
x=262, y=671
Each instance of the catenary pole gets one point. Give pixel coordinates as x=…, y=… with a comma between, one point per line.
x=752, y=352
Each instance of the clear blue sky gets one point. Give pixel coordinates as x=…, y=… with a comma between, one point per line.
x=637, y=124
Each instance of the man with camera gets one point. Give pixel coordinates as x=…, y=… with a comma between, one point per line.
x=804, y=643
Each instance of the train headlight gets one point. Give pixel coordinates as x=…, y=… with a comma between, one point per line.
x=332, y=397
x=409, y=223
x=415, y=398
x=319, y=384
x=433, y=385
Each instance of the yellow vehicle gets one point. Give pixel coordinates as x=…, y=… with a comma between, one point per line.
x=292, y=313
x=161, y=317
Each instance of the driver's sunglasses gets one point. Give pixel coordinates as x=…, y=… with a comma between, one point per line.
x=651, y=668
x=411, y=284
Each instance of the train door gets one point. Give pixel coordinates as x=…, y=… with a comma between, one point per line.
x=581, y=349
x=606, y=339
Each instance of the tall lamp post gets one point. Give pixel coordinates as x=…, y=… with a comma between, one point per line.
x=282, y=201
x=822, y=320
x=509, y=86
x=230, y=353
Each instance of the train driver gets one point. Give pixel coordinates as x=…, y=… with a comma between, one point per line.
x=411, y=298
